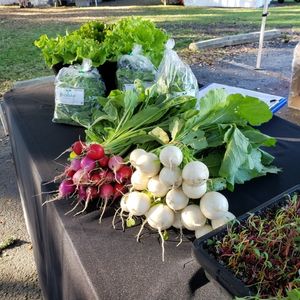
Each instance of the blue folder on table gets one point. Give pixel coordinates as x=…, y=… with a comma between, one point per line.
x=274, y=102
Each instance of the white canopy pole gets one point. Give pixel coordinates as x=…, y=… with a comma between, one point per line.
x=262, y=32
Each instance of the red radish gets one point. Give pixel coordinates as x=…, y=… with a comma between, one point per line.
x=106, y=193
x=109, y=177
x=66, y=188
x=123, y=174
x=91, y=193
x=87, y=164
x=81, y=192
x=115, y=163
x=69, y=172
x=75, y=164
x=103, y=162
x=96, y=178
x=119, y=190
x=95, y=151
x=80, y=177
x=78, y=147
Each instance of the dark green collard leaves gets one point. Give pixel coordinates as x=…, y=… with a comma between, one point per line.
x=242, y=160
x=227, y=120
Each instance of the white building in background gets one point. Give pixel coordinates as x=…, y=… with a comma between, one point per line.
x=225, y=3
x=8, y=2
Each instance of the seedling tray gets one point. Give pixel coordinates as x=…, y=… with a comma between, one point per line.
x=221, y=274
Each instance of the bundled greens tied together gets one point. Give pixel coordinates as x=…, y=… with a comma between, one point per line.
x=220, y=134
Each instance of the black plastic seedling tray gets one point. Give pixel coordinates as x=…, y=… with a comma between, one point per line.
x=220, y=273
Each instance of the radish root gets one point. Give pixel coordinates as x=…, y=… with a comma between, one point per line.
x=103, y=210
x=73, y=208
x=140, y=231
x=162, y=245
x=114, y=218
x=87, y=201
x=181, y=236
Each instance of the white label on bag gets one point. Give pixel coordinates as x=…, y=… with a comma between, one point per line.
x=128, y=87
x=69, y=96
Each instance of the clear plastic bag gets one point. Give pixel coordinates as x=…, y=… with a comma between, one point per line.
x=135, y=66
x=294, y=96
x=174, y=77
x=77, y=88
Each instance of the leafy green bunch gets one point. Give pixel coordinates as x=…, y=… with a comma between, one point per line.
x=134, y=30
x=86, y=42
x=221, y=133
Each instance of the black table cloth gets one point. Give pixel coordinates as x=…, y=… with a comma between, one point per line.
x=76, y=257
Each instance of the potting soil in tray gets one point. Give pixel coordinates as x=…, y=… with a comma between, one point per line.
x=259, y=253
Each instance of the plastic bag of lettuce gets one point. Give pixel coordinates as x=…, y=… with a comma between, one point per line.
x=76, y=91
x=135, y=66
x=174, y=77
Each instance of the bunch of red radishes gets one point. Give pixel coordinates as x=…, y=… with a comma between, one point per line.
x=93, y=175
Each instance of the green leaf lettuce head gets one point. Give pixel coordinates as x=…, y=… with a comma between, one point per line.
x=85, y=42
x=134, y=30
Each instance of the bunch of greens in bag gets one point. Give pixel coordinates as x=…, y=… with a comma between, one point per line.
x=76, y=90
x=135, y=66
x=174, y=77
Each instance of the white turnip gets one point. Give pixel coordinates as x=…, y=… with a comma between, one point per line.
x=139, y=180
x=194, y=191
x=202, y=231
x=176, y=199
x=213, y=205
x=138, y=203
x=160, y=217
x=228, y=216
x=148, y=164
x=195, y=173
x=170, y=177
x=171, y=156
x=192, y=217
x=135, y=154
x=156, y=187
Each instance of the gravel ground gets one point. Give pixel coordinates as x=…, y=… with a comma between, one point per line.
x=18, y=276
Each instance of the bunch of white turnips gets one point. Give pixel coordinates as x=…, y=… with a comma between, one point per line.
x=166, y=195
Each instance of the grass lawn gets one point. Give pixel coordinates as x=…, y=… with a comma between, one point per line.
x=20, y=60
